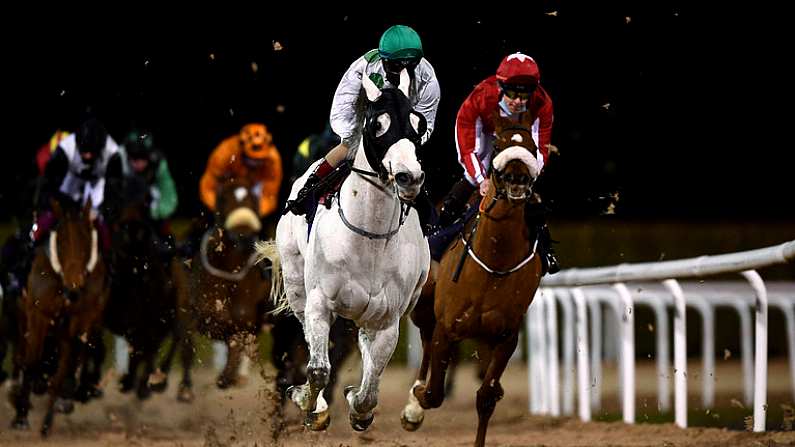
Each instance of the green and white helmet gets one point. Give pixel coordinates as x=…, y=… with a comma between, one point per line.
x=400, y=42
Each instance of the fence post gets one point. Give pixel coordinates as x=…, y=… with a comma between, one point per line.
x=595, y=317
x=553, y=376
x=760, y=374
x=627, y=352
x=583, y=375
x=680, y=352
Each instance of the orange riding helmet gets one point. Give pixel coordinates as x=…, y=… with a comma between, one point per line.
x=255, y=139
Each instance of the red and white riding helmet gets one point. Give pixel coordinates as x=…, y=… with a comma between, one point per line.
x=518, y=69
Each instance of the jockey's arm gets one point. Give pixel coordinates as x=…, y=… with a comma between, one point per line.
x=167, y=203
x=545, y=118
x=466, y=133
x=428, y=102
x=209, y=181
x=271, y=183
x=346, y=117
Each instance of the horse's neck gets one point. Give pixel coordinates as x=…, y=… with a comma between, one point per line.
x=366, y=202
x=503, y=239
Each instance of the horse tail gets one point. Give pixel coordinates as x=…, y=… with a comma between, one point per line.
x=268, y=250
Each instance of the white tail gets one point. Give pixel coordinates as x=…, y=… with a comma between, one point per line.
x=268, y=250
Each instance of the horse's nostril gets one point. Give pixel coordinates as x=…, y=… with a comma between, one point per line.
x=403, y=178
x=72, y=295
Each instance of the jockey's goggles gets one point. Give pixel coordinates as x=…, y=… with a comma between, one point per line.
x=397, y=65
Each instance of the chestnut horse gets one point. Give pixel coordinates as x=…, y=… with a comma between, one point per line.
x=485, y=283
x=65, y=297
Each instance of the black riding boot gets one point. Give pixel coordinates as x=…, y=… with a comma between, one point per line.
x=455, y=202
x=307, y=196
x=535, y=216
x=429, y=219
x=550, y=259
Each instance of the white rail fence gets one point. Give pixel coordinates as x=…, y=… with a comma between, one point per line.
x=584, y=294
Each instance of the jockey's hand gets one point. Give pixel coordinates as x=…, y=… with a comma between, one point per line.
x=484, y=187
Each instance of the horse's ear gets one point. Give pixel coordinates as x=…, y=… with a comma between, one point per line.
x=405, y=80
x=57, y=210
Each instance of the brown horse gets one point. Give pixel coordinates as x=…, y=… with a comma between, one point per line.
x=142, y=306
x=65, y=297
x=485, y=283
x=224, y=295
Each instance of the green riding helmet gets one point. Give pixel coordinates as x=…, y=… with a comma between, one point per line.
x=400, y=42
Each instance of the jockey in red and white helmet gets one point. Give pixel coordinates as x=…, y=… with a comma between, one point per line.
x=513, y=91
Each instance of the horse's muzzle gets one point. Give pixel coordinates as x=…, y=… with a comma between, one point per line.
x=72, y=295
x=517, y=191
x=409, y=184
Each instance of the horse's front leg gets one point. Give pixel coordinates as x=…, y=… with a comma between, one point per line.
x=66, y=365
x=317, y=322
x=377, y=348
x=490, y=392
x=229, y=376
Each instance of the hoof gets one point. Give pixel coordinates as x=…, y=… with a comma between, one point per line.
x=126, y=384
x=225, y=382
x=159, y=387
x=361, y=424
x=86, y=393
x=20, y=424
x=409, y=425
x=143, y=392
x=317, y=421
x=185, y=394
x=63, y=406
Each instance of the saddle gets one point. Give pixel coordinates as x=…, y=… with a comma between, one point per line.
x=325, y=191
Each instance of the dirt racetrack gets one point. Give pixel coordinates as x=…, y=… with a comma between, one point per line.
x=242, y=417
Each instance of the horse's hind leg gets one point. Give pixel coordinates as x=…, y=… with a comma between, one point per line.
x=342, y=341
x=432, y=394
x=317, y=322
x=144, y=390
x=185, y=393
x=423, y=317
x=377, y=348
x=130, y=378
x=490, y=392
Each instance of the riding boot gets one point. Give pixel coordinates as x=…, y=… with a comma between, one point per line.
x=429, y=219
x=535, y=217
x=308, y=194
x=455, y=202
x=550, y=258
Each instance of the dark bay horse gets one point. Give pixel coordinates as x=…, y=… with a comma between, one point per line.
x=223, y=295
x=66, y=294
x=485, y=283
x=142, y=306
